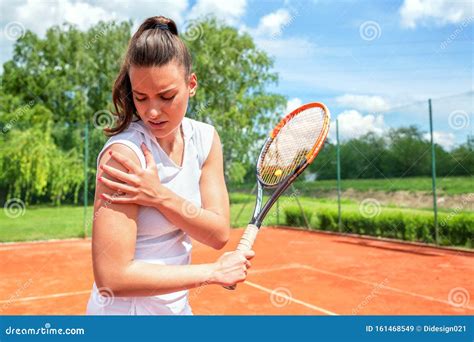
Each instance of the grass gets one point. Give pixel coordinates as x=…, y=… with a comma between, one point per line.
x=448, y=185
x=46, y=222
x=43, y=223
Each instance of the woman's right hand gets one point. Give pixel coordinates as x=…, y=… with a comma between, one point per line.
x=231, y=268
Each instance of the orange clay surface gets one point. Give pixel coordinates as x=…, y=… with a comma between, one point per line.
x=294, y=272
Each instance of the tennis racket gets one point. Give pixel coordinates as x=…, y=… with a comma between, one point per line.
x=291, y=147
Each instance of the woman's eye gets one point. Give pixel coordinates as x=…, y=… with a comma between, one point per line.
x=168, y=98
x=140, y=100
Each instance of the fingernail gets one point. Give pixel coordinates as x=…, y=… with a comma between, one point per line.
x=101, y=167
x=100, y=179
x=110, y=152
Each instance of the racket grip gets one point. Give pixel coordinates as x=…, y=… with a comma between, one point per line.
x=245, y=244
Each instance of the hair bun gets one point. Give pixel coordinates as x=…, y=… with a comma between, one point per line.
x=162, y=23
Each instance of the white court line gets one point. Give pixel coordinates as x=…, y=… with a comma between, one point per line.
x=297, y=301
x=382, y=286
x=57, y=295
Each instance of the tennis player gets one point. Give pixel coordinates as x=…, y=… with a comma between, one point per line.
x=160, y=182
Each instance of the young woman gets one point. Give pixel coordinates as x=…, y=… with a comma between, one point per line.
x=160, y=181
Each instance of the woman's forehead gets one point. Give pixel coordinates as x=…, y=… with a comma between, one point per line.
x=155, y=78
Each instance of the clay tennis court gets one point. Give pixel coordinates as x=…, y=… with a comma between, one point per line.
x=295, y=272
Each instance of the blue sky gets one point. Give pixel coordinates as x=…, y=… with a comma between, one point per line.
x=364, y=59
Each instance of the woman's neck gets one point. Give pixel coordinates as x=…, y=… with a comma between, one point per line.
x=171, y=141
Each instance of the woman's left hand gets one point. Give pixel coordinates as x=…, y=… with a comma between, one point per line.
x=139, y=186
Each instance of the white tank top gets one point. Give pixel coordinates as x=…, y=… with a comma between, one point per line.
x=159, y=241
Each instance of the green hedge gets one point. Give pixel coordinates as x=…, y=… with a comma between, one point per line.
x=237, y=198
x=454, y=229
x=294, y=216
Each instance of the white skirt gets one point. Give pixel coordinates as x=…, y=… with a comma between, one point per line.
x=175, y=303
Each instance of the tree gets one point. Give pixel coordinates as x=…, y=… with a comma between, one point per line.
x=60, y=82
x=32, y=165
x=461, y=161
x=410, y=154
x=69, y=71
x=66, y=78
x=324, y=166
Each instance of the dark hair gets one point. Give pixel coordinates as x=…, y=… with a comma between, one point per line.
x=156, y=43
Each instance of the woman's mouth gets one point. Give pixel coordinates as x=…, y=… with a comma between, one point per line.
x=157, y=124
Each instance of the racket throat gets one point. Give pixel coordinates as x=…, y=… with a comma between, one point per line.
x=258, y=206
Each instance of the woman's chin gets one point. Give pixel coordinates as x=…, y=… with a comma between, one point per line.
x=162, y=131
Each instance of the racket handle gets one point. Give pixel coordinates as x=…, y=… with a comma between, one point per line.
x=245, y=244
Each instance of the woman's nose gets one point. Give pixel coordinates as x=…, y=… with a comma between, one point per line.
x=153, y=111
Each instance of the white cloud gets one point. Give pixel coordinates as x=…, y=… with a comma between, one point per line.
x=292, y=104
x=273, y=23
x=363, y=102
x=353, y=124
x=87, y=13
x=441, y=12
x=38, y=16
x=267, y=36
x=444, y=139
x=229, y=11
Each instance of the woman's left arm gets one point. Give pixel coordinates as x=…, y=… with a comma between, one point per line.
x=211, y=223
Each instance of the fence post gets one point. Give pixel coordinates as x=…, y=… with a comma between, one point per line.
x=86, y=159
x=338, y=177
x=433, y=174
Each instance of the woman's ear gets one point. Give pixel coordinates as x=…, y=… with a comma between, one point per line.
x=193, y=84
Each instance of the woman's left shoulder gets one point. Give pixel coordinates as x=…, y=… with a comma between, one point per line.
x=202, y=134
x=199, y=127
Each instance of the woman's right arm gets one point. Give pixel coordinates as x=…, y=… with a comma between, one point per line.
x=113, y=249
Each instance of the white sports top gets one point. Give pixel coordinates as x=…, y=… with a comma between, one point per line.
x=159, y=241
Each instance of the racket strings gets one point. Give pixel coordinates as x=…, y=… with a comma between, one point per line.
x=292, y=145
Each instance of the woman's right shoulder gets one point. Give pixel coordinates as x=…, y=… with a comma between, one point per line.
x=131, y=137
